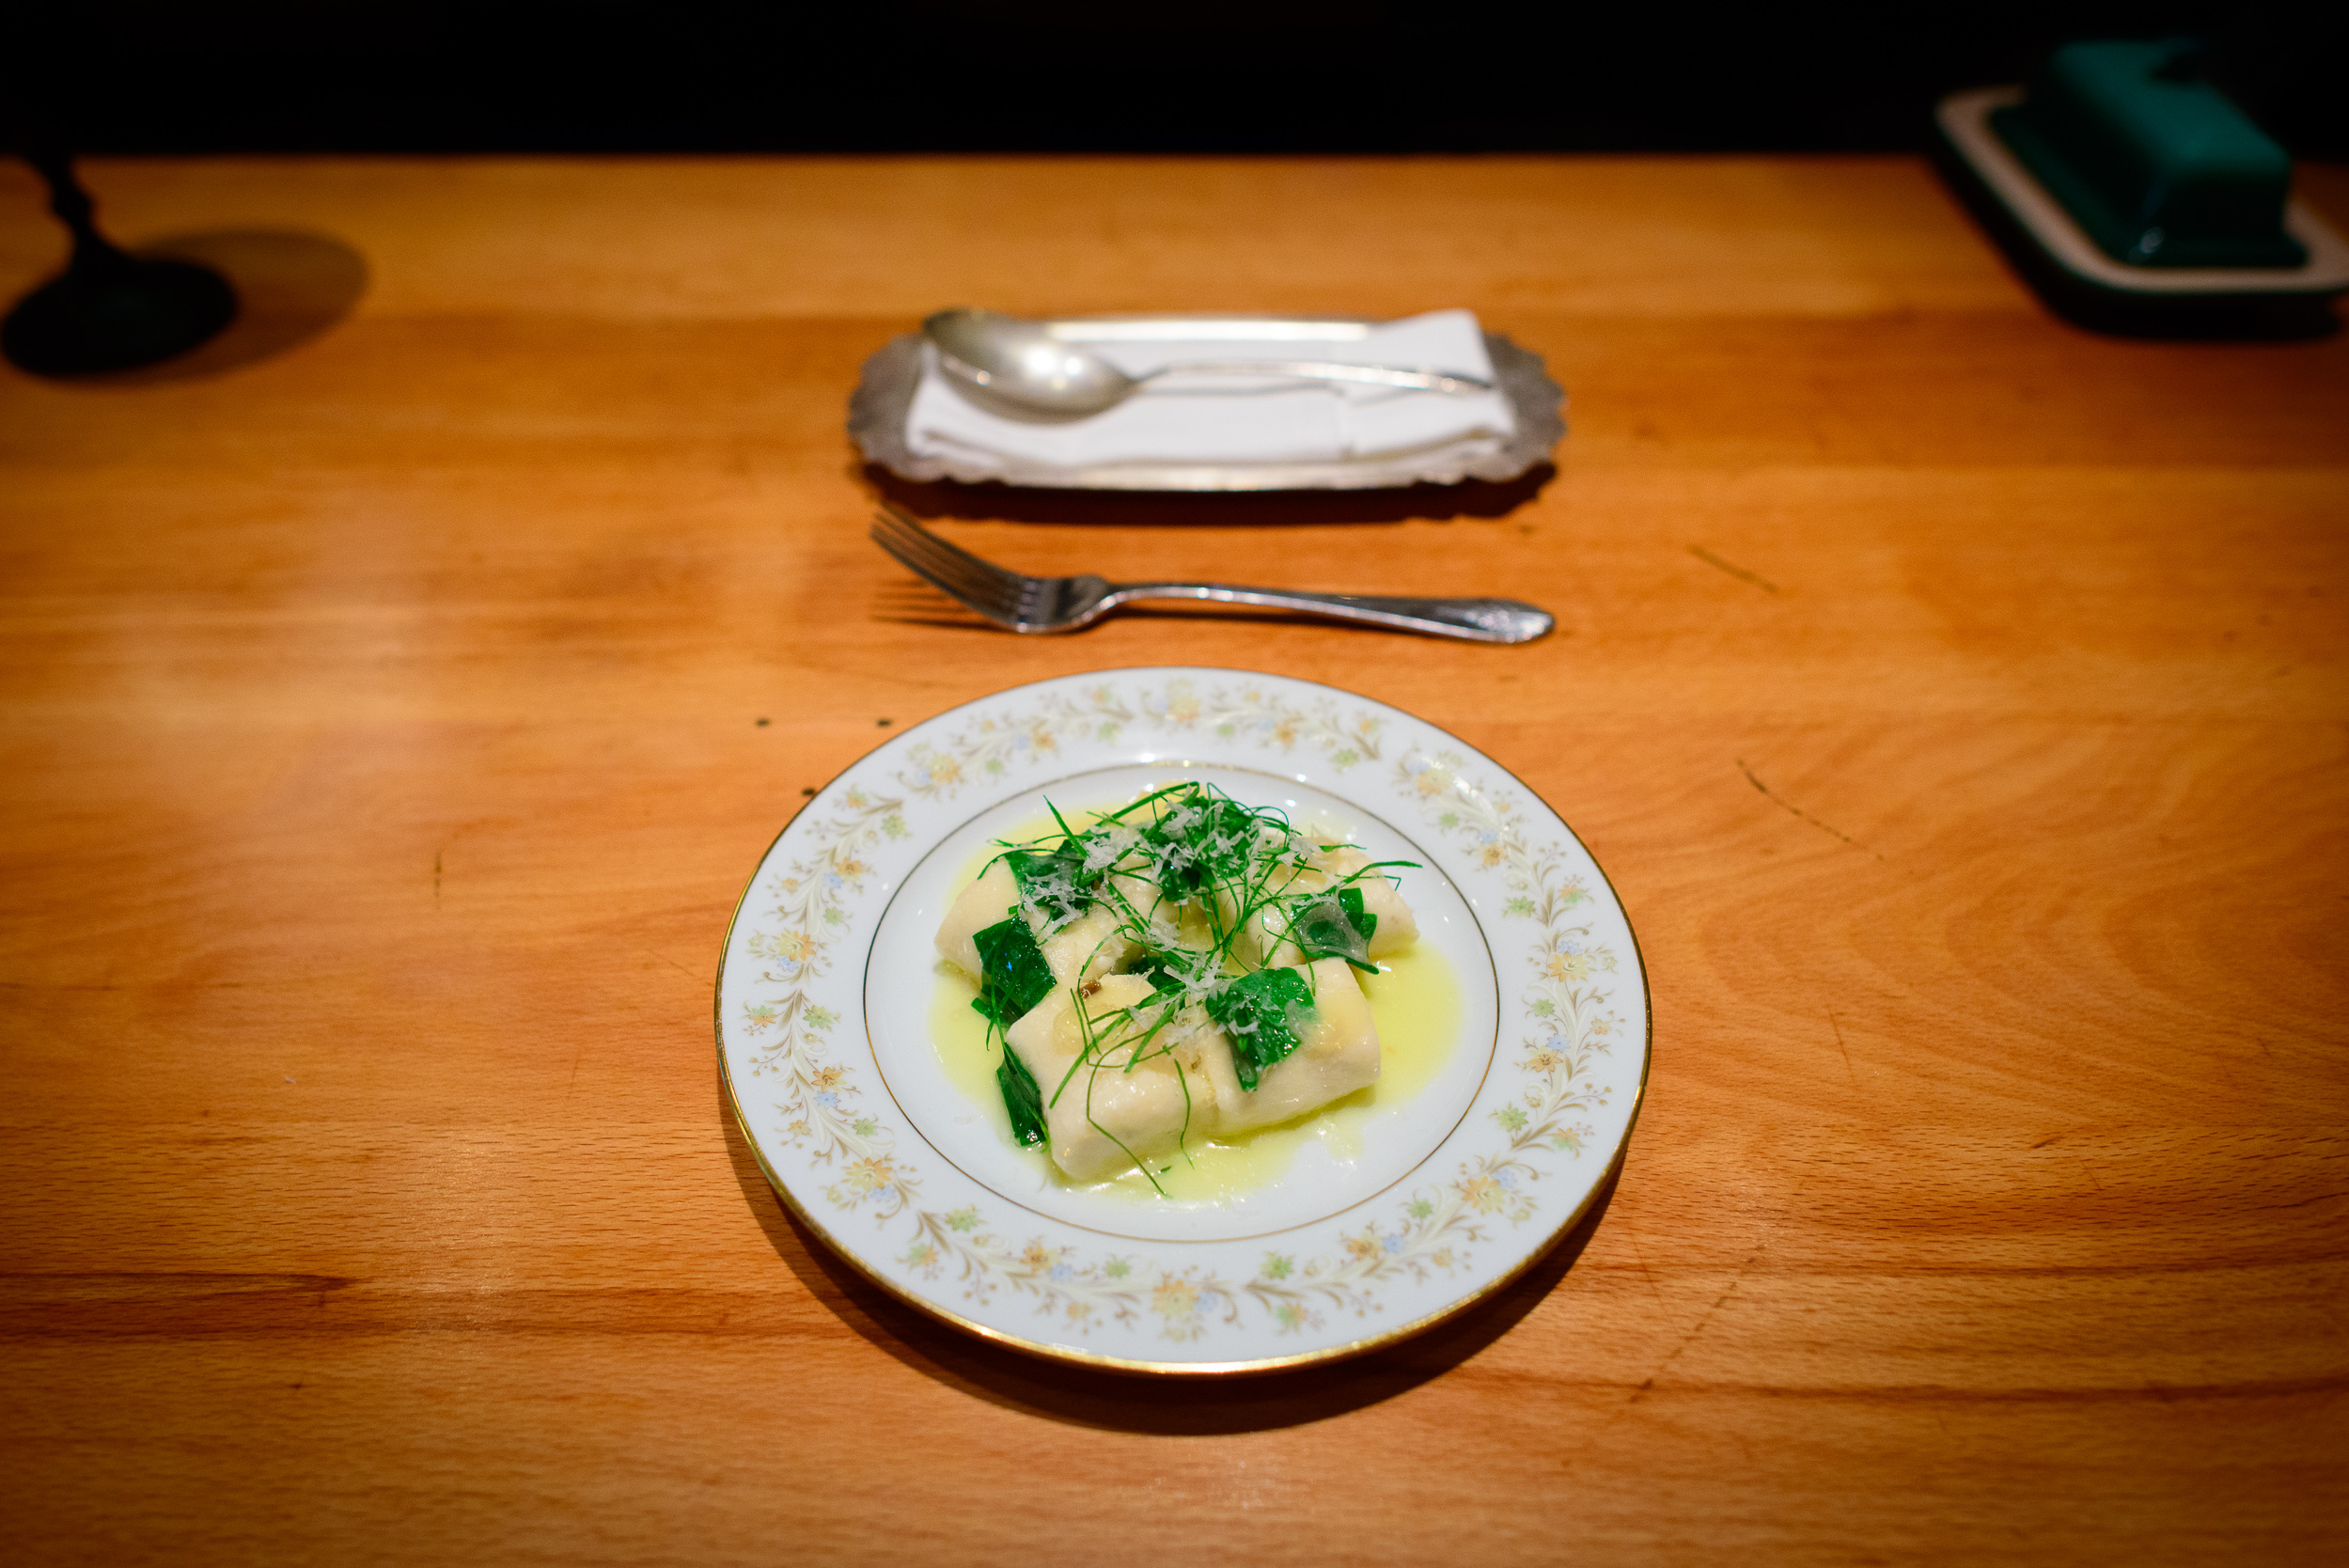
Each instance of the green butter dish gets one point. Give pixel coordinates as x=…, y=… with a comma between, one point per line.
x=2122, y=183
x=2160, y=167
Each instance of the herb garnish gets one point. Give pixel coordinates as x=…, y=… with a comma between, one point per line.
x=1022, y=1098
x=1336, y=926
x=1184, y=872
x=1258, y=1013
x=1013, y=976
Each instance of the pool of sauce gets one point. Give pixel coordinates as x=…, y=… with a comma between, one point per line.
x=1414, y=1001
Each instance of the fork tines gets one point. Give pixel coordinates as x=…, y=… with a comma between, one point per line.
x=983, y=586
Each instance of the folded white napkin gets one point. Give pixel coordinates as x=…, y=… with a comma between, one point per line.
x=1225, y=419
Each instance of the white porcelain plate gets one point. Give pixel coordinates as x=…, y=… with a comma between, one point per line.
x=828, y=985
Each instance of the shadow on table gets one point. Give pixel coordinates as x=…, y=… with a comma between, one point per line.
x=996, y=503
x=1127, y=1402
x=291, y=288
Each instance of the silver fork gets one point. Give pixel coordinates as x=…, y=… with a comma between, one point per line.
x=1024, y=604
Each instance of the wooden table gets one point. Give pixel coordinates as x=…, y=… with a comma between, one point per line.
x=397, y=697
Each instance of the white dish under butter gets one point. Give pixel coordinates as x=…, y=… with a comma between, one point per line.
x=1432, y=1198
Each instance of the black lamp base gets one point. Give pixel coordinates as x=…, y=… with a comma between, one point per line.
x=117, y=316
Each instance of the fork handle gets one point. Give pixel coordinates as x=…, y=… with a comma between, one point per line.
x=1322, y=369
x=1469, y=619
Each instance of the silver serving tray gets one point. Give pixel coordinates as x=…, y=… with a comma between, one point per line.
x=877, y=410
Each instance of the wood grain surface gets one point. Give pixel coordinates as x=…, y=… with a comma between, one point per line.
x=398, y=694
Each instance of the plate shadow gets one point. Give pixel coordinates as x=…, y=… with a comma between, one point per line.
x=1470, y=500
x=1082, y=1396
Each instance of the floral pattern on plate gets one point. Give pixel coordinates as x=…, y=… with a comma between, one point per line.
x=1545, y=1126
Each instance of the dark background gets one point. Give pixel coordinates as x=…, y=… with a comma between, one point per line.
x=1055, y=76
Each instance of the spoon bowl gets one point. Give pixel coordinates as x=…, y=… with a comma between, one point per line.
x=1020, y=360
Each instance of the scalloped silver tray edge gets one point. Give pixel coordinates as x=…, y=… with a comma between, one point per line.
x=877, y=410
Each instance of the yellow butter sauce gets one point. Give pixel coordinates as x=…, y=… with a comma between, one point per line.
x=1414, y=1001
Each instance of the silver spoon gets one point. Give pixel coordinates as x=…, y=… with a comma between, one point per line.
x=1022, y=361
